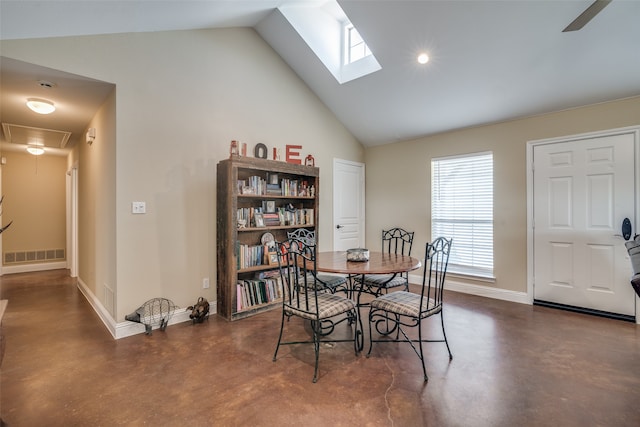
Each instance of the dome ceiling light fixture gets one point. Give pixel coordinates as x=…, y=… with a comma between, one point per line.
x=41, y=106
x=36, y=150
x=423, y=58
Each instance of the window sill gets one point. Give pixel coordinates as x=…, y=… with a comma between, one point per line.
x=471, y=276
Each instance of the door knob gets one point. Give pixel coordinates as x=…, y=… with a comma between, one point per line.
x=338, y=226
x=626, y=229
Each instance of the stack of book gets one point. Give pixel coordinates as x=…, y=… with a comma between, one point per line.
x=274, y=190
x=297, y=217
x=271, y=219
x=289, y=187
x=254, y=185
x=254, y=292
x=251, y=256
x=247, y=214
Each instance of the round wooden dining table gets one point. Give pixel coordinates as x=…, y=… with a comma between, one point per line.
x=379, y=263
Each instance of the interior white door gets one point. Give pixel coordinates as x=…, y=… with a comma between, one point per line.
x=348, y=205
x=583, y=190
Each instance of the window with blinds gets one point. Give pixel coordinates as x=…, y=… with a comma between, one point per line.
x=462, y=209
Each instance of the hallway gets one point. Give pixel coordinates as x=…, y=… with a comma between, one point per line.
x=513, y=365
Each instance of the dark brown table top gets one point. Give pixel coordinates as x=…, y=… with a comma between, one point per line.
x=379, y=263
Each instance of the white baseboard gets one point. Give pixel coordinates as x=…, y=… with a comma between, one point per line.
x=127, y=328
x=28, y=268
x=482, y=291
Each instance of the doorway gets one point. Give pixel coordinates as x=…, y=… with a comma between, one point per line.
x=348, y=205
x=580, y=190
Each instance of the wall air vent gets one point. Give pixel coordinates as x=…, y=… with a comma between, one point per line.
x=25, y=257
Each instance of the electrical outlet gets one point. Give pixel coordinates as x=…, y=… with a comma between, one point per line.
x=205, y=283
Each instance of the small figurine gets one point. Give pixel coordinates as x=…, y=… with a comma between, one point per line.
x=199, y=311
x=153, y=312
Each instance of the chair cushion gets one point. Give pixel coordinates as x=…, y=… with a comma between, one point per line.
x=385, y=280
x=329, y=281
x=405, y=304
x=329, y=305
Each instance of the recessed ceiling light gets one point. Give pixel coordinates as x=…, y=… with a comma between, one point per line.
x=41, y=106
x=423, y=58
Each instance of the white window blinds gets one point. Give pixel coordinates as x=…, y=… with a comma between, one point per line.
x=462, y=209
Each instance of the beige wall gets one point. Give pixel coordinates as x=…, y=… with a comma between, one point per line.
x=181, y=97
x=96, y=170
x=399, y=184
x=34, y=199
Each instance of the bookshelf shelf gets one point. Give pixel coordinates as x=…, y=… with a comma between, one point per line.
x=279, y=227
x=244, y=288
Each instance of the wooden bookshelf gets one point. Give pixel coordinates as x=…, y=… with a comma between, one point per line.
x=235, y=199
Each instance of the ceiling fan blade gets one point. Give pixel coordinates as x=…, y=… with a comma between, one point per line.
x=587, y=15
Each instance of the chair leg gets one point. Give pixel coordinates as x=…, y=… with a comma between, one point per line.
x=315, y=326
x=358, y=339
x=370, y=335
x=445, y=335
x=421, y=355
x=279, y=337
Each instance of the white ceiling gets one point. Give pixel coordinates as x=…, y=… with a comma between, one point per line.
x=491, y=61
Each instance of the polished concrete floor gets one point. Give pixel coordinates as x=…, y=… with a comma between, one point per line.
x=513, y=365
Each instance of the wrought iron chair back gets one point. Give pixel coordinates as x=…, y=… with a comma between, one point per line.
x=394, y=241
x=398, y=311
x=435, y=271
x=303, y=298
x=303, y=234
x=297, y=263
x=331, y=283
x=397, y=241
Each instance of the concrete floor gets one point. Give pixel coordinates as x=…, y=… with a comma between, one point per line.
x=513, y=365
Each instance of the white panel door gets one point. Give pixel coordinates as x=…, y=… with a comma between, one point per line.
x=583, y=190
x=348, y=205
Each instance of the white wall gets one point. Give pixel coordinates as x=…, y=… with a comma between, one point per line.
x=181, y=97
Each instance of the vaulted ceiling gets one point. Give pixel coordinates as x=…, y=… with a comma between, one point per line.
x=491, y=61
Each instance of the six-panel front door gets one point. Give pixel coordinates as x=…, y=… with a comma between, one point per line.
x=583, y=190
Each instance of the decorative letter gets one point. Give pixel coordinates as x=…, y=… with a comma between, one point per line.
x=260, y=151
x=293, y=155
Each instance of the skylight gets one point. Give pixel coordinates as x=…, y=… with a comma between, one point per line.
x=354, y=47
x=327, y=30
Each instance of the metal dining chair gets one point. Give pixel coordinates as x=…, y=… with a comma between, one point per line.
x=405, y=309
x=302, y=298
x=329, y=282
x=394, y=241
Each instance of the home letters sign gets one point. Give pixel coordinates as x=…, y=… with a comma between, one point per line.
x=292, y=153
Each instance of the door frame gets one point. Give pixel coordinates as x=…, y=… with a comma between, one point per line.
x=635, y=130
x=72, y=220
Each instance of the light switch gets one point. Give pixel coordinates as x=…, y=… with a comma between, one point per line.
x=138, y=207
